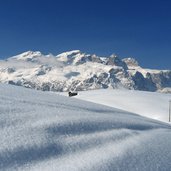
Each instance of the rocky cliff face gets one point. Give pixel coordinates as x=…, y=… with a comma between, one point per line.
x=75, y=70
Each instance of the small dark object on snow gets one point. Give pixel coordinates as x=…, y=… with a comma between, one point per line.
x=72, y=94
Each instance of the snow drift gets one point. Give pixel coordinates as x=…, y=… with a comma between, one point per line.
x=149, y=104
x=45, y=131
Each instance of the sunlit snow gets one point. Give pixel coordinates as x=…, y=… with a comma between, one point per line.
x=46, y=131
x=150, y=104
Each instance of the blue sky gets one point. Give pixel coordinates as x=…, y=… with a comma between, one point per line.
x=129, y=28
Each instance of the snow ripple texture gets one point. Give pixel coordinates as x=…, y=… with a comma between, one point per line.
x=45, y=131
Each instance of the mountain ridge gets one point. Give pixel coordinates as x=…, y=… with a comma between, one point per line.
x=75, y=71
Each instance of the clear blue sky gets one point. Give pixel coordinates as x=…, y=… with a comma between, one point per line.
x=136, y=28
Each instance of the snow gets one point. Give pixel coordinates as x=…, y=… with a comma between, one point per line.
x=80, y=71
x=149, y=104
x=45, y=131
x=70, y=54
x=144, y=71
x=27, y=55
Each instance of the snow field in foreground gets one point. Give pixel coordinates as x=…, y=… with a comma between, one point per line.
x=45, y=131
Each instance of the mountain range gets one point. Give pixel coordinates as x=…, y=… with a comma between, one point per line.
x=76, y=71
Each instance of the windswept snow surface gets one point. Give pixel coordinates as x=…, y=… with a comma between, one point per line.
x=45, y=131
x=149, y=104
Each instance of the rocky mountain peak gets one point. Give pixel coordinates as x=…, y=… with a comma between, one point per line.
x=29, y=55
x=80, y=71
x=131, y=62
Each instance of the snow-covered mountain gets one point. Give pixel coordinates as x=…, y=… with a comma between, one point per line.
x=75, y=70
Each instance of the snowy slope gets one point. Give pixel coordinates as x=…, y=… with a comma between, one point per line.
x=45, y=131
x=75, y=70
x=149, y=104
